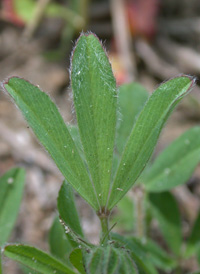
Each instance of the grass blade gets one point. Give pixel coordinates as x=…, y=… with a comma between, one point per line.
x=95, y=101
x=145, y=134
x=49, y=127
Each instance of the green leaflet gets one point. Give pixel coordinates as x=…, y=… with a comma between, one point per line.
x=145, y=134
x=175, y=165
x=60, y=246
x=11, y=191
x=49, y=127
x=36, y=259
x=76, y=259
x=131, y=99
x=95, y=100
x=68, y=212
x=166, y=212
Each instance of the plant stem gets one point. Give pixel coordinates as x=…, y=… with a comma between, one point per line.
x=140, y=212
x=104, y=229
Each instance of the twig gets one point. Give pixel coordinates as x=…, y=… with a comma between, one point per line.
x=153, y=61
x=187, y=59
x=123, y=37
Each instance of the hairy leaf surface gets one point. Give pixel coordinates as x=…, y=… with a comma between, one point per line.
x=94, y=91
x=145, y=134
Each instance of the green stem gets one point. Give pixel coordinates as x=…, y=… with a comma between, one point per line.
x=140, y=212
x=104, y=229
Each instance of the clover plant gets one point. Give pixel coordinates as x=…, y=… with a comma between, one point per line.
x=101, y=158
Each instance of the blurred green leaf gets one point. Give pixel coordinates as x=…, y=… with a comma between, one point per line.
x=36, y=259
x=125, y=216
x=25, y=9
x=145, y=133
x=157, y=255
x=49, y=127
x=139, y=254
x=194, y=238
x=12, y=186
x=166, y=212
x=67, y=210
x=198, y=253
x=175, y=165
x=131, y=99
x=60, y=247
x=76, y=259
x=95, y=100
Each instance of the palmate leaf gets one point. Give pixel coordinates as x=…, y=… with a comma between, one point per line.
x=145, y=134
x=175, y=165
x=11, y=190
x=36, y=259
x=49, y=127
x=94, y=91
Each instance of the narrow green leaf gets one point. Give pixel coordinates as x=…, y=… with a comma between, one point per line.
x=175, y=165
x=127, y=265
x=145, y=134
x=36, y=259
x=194, y=238
x=11, y=191
x=94, y=261
x=166, y=212
x=95, y=101
x=67, y=209
x=60, y=246
x=111, y=261
x=76, y=259
x=131, y=99
x=27, y=270
x=49, y=127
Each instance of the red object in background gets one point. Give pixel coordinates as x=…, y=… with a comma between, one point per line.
x=9, y=13
x=142, y=16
